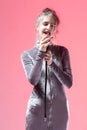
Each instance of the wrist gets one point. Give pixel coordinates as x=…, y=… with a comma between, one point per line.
x=43, y=49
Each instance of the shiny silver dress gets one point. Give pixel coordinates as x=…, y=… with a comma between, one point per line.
x=59, y=76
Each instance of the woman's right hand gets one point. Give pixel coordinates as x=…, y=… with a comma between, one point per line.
x=44, y=43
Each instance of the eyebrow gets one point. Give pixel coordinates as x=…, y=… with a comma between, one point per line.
x=48, y=22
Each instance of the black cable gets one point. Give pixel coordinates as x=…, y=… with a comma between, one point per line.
x=45, y=114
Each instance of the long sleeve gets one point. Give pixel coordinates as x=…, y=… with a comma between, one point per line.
x=63, y=75
x=33, y=66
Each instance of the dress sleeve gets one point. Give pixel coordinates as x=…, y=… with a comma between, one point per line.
x=63, y=75
x=32, y=66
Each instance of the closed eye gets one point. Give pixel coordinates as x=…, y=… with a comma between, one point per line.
x=45, y=23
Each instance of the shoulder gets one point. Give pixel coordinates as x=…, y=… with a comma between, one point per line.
x=30, y=52
x=59, y=50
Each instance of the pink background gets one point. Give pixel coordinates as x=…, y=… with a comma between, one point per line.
x=17, y=33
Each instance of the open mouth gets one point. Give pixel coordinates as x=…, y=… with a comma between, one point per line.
x=47, y=33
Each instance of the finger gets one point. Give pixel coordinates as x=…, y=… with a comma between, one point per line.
x=47, y=57
x=46, y=39
x=49, y=53
x=43, y=37
x=45, y=45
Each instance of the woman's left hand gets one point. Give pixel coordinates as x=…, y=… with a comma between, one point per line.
x=48, y=57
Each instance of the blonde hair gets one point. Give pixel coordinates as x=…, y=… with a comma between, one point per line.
x=48, y=11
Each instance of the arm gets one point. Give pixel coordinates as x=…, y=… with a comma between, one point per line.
x=33, y=67
x=63, y=75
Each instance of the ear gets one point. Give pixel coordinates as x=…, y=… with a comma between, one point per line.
x=37, y=27
x=37, y=30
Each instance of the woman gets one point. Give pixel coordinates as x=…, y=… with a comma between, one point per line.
x=47, y=67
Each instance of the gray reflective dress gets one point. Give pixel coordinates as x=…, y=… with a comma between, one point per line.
x=58, y=76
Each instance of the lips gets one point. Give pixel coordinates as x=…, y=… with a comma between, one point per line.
x=47, y=32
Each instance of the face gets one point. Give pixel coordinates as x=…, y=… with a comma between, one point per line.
x=46, y=26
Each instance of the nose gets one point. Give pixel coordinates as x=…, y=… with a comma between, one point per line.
x=48, y=26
